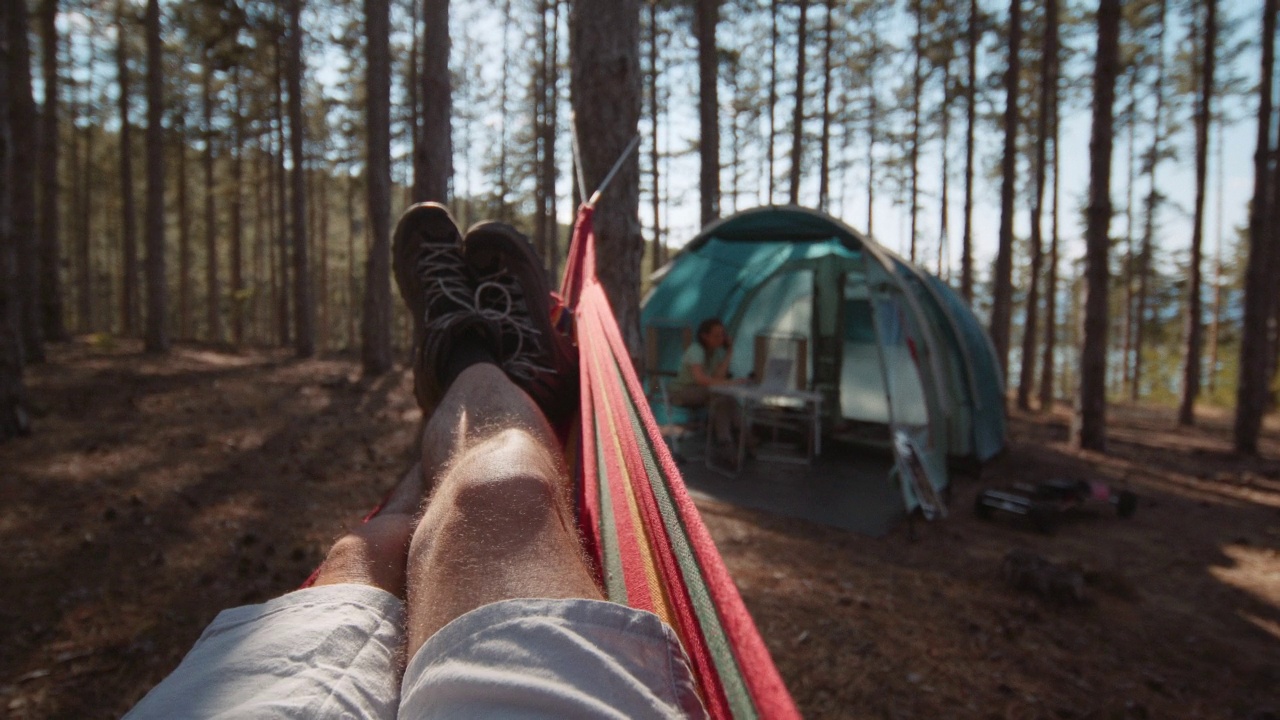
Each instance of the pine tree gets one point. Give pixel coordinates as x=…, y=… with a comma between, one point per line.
x=1002, y=301
x=50, y=244
x=1089, y=425
x=376, y=328
x=25, y=159
x=13, y=414
x=157, y=327
x=706, y=18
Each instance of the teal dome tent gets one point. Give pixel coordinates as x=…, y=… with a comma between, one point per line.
x=900, y=359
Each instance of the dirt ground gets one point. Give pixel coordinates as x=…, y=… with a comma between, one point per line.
x=157, y=492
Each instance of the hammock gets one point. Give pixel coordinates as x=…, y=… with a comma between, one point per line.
x=648, y=544
x=651, y=550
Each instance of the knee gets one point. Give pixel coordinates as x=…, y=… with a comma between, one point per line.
x=508, y=485
x=372, y=554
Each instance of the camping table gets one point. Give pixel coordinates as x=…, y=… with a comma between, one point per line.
x=750, y=398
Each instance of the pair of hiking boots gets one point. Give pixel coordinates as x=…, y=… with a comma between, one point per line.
x=483, y=296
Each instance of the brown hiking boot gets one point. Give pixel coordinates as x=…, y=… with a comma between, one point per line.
x=512, y=293
x=439, y=289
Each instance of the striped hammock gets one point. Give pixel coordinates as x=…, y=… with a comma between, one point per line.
x=651, y=550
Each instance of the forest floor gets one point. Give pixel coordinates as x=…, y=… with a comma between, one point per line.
x=156, y=492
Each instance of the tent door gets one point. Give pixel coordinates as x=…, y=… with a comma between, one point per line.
x=920, y=467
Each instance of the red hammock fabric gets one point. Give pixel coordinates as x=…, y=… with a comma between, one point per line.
x=642, y=529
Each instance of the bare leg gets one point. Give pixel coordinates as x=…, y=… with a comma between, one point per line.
x=499, y=524
x=374, y=553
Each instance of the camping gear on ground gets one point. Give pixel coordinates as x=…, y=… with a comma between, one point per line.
x=1044, y=503
x=892, y=349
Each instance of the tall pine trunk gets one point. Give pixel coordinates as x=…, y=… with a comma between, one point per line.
x=971, y=119
x=1089, y=426
x=13, y=414
x=304, y=320
x=1194, y=321
x=1002, y=300
x=51, y=319
x=1251, y=393
x=25, y=163
x=917, y=88
x=184, y=235
x=129, y=315
x=706, y=18
x=236, y=261
x=1151, y=207
x=213, y=294
x=1049, y=359
x=824, y=145
x=1048, y=81
x=604, y=41
x=655, y=114
x=773, y=94
x=156, y=338
x=797, y=116
x=436, y=158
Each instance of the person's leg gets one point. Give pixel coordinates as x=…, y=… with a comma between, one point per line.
x=499, y=524
x=375, y=552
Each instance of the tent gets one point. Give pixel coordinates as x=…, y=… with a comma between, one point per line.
x=900, y=358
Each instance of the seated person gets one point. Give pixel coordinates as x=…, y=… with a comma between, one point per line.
x=705, y=364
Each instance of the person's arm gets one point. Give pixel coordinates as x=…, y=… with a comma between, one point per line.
x=718, y=375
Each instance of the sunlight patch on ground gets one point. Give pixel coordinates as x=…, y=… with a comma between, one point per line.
x=1256, y=570
x=1271, y=628
x=216, y=359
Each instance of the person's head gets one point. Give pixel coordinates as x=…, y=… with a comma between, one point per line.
x=711, y=334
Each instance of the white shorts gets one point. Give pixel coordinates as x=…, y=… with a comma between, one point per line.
x=335, y=651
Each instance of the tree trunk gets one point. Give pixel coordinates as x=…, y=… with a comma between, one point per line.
x=797, y=118
x=1194, y=323
x=415, y=99
x=1216, y=312
x=157, y=332
x=1002, y=300
x=1048, y=369
x=84, y=201
x=236, y=263
x=304, y=302
x=551, y=128
x=1151, y=209
x=184, y=236
x=24, y=159
x=773, y=92
x=654, y=157
x=1251, y=393
x=1090, y=422
x=706, y=16
x=213, y=293
x=1048, y=81
x=14, y=419
x=604, y=40
x=944, y=209
x=971, y=117
x=873, y=126
x=504, y=114
x=1130, y=259
x=50, y=242
x=281, y=209
x=375, y=329
x=917, y=83
x=824, y=172
x=129, y=314
x=436, y=161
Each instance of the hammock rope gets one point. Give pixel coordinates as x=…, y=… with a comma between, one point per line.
x=641, y=527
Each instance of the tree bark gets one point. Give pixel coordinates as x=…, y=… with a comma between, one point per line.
x=25, y=163
x=375, y=347
x=773, y=92
x=971, y=117
x=82, y=160
x=1251, y=393
x=604, y=40
x=797, y=117
x=304, y=321
x=1150, y=209
x=1194, y=322
x=436, y=158
x=281, y=209
x=14, y=419
x=1048, y=365
x=129, y=314
x=654, y=156
x=551, y=128
x=213, y=291
x=184, y=235
x=157, y=332
x=1090, y=422
x=824, y=172
x=1216, y=312
x=51, y=319
x=707, y=15
x=1002, y=300
x=1048, y=81
x=917, y=83
x=236, y=261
